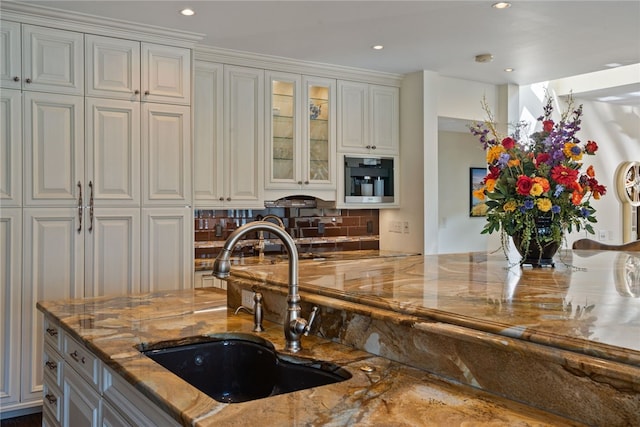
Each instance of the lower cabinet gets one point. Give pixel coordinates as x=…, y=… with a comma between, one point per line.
x=79, y=390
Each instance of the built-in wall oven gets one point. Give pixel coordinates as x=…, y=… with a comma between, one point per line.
x=368, y=179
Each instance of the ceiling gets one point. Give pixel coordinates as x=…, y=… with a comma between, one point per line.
x=540, y=40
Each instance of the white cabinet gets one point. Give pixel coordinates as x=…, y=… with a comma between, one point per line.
x=10, y=63
x=229, y=147
x=368, y=118
x=128, y=69
x=81, y=403
x=300, y=127
x=10, y=297
x=167, y=247
x=166, y=155
x=10, y=148
x=54, y=149
x=52, y=60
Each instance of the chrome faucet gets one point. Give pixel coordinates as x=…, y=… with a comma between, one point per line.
x=294, y=325
x=260, y=244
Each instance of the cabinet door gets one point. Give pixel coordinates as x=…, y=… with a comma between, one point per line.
x=112, y=252
x=353, y=116
x=244, y=136
x=166, y=74
x=10, y=63
x=53, y=246
x=208, y=164
x=10, y=148
x=54, y=149
x=112, y=67
x=52, y=60
x=166, y=154
x=110, y=417
x=167, y=249
x=284, y=130
x=319, y=130
x=81, y=403
x=384, y=119
x=10, y=297
x=113, y=152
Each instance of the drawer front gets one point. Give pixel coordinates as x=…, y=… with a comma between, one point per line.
x=53, y=365
x=53, y=334
x=82, y=360
x=51, y=402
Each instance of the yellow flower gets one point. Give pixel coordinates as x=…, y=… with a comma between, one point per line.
x=513, y=162
x=536, y=189
x=479, y=193
x=493, y=154
x=572, y=151
x=510, y=206
x=491, y=185
x=544, y=205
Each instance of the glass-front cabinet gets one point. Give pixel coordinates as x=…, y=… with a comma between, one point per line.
x=301, y=129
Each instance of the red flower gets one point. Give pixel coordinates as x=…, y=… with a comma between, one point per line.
x=542, y=158
x=591, y=147
x=547, y=125
x=494, y=173
x=564, y=175
x=524, y=185
x=508, y=143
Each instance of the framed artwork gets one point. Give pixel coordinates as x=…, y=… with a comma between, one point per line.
x=477, y=207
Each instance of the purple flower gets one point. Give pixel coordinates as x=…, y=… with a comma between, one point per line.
x=555, y=209
x=528, y=204
x=503, y=160
x=559, y=190
x=584, y=212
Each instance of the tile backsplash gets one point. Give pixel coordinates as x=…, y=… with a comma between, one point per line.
x=303, y=224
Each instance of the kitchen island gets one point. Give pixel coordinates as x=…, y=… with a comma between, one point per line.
x=453, y=339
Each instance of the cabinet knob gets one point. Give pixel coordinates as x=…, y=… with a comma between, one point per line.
x=51, y=399
x=52, y=332
x=136, y=92
x=228, y=199
x=221, y=199
x=16, y=79
x=51, y=365
x=368, y=147
x=373, y=147
x=299, y=182
x=306, y=183
x=146, y=92
x=28, y=80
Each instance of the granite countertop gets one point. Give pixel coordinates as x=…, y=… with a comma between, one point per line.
x=393, y=394
x=589, y=303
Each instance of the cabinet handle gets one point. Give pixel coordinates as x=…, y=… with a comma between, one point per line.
x=51, y=365
x=80, y=207
x=52, y=332
x=91, y=207
x=51, y=399
x=76, y=357
x=28, y=80
x=16, y=79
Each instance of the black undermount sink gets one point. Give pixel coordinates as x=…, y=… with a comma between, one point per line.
x=234, y=368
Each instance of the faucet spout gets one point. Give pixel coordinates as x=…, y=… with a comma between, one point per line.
x=294, y=325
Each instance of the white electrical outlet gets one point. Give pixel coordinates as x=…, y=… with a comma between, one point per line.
x=247, y=298
x=405, y=227
x=602, y=235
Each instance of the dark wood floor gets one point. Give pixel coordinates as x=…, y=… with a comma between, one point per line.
x=33, y=420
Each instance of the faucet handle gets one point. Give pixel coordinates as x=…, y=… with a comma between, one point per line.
x=312, y=317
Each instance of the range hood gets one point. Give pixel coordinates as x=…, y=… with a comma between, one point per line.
x=299, y=201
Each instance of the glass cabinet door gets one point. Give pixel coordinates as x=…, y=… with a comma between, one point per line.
x=302, y=129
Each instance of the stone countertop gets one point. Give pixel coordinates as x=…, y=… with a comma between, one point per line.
x=394, y=394
x=589, y=303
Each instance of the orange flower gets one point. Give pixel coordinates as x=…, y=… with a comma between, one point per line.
x=479, y=193
x=514, y=162
x=576, y=198
x=544, y=182
x=591, y=172
x=491, y=185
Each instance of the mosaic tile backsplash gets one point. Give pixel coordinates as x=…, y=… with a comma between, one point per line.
x=303, y=224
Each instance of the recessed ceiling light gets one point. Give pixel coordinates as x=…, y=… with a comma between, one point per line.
x=501, y=5
x=377, y=47
x=634, y=94
x=187, y=12
x=509, y=70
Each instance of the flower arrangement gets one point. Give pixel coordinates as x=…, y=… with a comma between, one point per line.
x=538, y=177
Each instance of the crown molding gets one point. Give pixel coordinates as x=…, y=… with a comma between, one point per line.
x=92, y=24
x=277, y=63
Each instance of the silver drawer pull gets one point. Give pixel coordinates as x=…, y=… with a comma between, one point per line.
x=51, y=365
x=52, y=332
x=75, y=357
x=51, y=399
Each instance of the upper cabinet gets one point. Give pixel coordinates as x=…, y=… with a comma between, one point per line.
x=126, y=69
x=300, y=128
x=368, y=118
x=51, y=60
